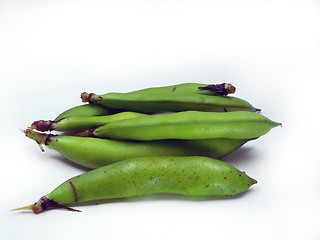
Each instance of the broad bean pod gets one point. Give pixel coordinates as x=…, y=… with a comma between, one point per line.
x=188, y=125
x=194, y=176
x=192, y=88
x=176, y=98
x=81, y=123
x=95, y=152
x=86, y=110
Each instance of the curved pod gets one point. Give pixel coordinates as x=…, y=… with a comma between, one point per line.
x=194, y=176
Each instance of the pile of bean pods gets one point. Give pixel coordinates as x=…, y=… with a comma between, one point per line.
x=135, y=149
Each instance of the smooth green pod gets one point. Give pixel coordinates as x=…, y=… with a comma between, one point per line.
x=95, y=152
x=193, y=176
x=81, y=123
x=86, y=110
x=183, y=97
x=189, y=125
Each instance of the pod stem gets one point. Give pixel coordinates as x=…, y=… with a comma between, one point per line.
x=42, y=125
x=29, y=207
x=87, y=97
x=40, y=138
x=220, y=89
x=44, y=204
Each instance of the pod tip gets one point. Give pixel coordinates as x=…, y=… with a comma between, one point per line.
x=29, y=207
x=44, y=204
x=22, y=130
x=276, y=124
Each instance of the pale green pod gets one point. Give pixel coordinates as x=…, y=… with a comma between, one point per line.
x=193, y=176
x=189, y=125
x=95, y=152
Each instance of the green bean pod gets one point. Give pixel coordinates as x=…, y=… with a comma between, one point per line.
x=188, y=125
x=176, y=98
x=95, y=152
x=193, y=176
x=86, y=110
x=81, y=123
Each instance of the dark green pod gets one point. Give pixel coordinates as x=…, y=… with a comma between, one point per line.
x=94, y=152
x=194, y=176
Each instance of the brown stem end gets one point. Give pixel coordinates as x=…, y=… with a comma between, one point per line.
x=45, y=204
x=87, y=97
x=42, y=125
x=220, y=89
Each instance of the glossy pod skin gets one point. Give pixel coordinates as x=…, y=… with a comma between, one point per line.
x=81, y=123
x=176, y=98
x=188, y=125
x=194, y=176
x=94, y=152
x=86, y=110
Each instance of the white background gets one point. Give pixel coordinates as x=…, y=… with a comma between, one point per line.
x=51, y=51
